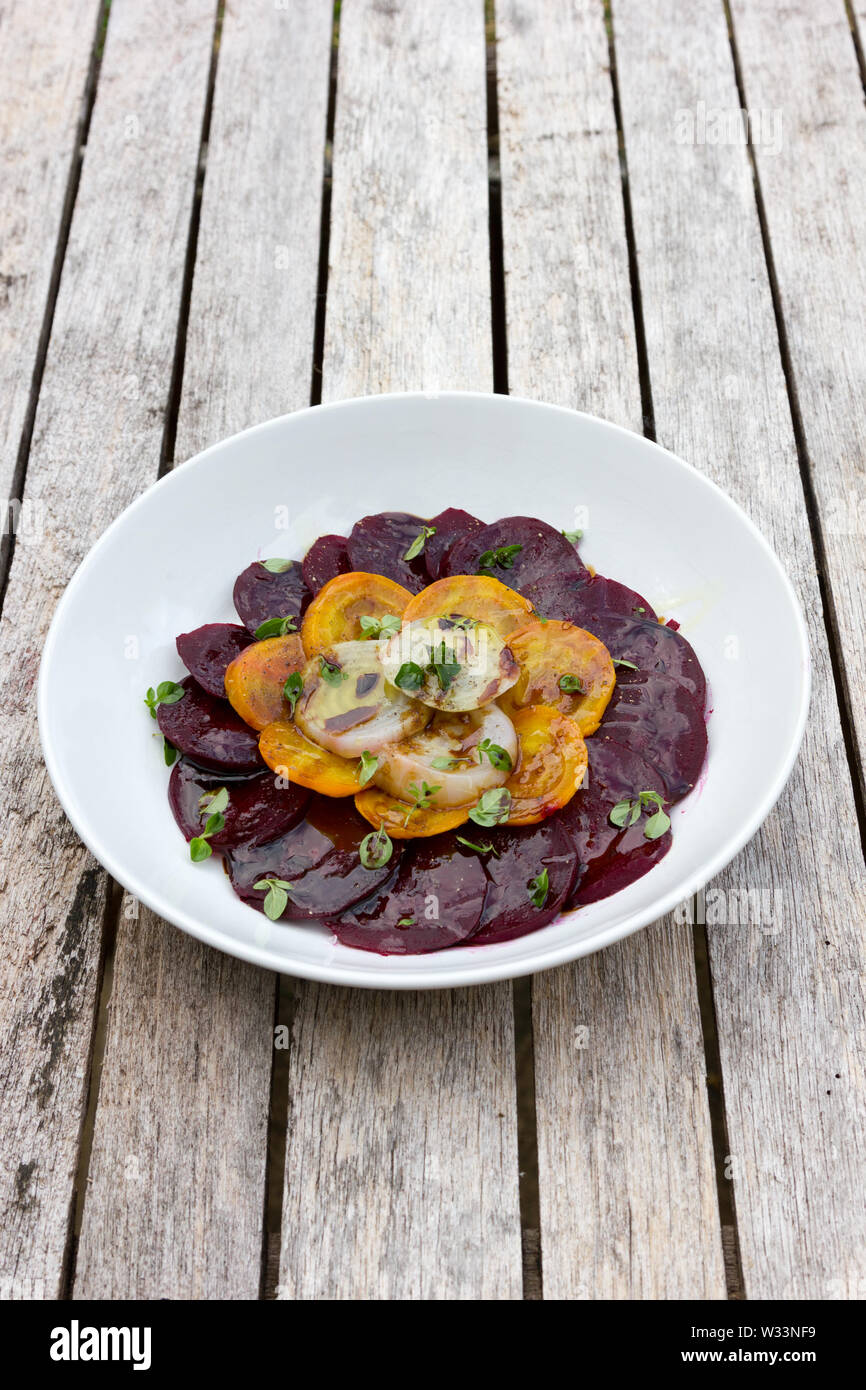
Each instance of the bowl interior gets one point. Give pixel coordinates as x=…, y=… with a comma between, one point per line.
x=169, y=562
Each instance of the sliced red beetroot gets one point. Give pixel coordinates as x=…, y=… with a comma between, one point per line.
x=326, y=558
x=654, y=715
x=650, y=646
x=542, y=549
x=609, y=857
x=260, y=594
x=522, y=854
x=580, y=600
x=207, y=652
x=257, y=808
x=451, y=526
x=378, y=544
x=207, y=730
x=632, y=856
x=433, y=900
x=319, y=857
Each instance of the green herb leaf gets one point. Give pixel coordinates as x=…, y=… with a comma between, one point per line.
x=331, y=672
x=169, y=752
x=376, y=848
x=292, y=690
x=497, y=755
x=406, y=922
x=617, y=661
x=492, y=807
x=276, y=898
x=639, y=610
x=410, y=676
x=385, y=626
x=657, y=825
x=367, y=766
x=501, y=558
x=276, y=565
x=419, y=542
x=481, y=849
x=166, y=693
x=573, y=536
x=444, y=764
x=276, y=627
x=212, y=803
x=443, y=669
x=539, y=887
x=629, y=813
x=420, y=798
x=572, y=685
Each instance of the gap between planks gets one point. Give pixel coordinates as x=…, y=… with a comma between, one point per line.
x=703, y=979
x=816, y=530
x=524, y=1051
x=275, y=1175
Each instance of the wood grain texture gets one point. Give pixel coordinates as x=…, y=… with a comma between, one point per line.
x=799, y=64
x=258, y=247
x=401, y=1160
x=96, y=443
x=45, y=53
x=788, y=979
x=409, y=238
x=571, y=335
x=176, y=1190
x=626, y=1182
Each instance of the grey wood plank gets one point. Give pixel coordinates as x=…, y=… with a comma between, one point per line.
x=788, y=978
x=96, y=443
x=401, y=1160
x=626, y=1182
x=45, y=53
x=176, y=1190
x=799, y=67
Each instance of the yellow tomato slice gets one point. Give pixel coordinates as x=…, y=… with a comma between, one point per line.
x=290, y=755
x=552, y=764
x=255, y=679
x=402, y=821
x=335, y=613
x=472, y=596
x=564, y=666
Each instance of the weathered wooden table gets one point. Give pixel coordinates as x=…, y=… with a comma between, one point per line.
x=213, y=217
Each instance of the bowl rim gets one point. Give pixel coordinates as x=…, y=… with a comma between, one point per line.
x=471, y=970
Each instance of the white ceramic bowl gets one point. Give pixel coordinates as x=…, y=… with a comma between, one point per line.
x=169, y=562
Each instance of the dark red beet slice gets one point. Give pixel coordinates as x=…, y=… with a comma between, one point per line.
x=326, y=558
x=542, y=549
x=258, y=809
x=451, y=526
x=436, y=876
x=523, y=853
x=378, y=543
x=207, y=651
x=630, y=858
x=319, y=857
x=657, y=717
x=208, y=731
x=580, y=600
x=651, y=647
x=608, y=858
x=259, y=594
